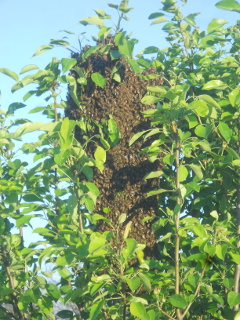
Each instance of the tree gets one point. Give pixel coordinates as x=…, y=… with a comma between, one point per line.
x=192, y=129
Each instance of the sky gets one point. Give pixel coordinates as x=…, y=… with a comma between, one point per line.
x=25, y=25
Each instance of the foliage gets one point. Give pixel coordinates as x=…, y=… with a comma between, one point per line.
x=195, y=123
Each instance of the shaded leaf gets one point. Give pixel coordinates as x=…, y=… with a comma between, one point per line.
x=178, y=301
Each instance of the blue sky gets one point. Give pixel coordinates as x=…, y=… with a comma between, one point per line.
x=25, y=25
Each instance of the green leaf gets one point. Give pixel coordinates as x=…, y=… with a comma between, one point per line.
x=96, y=246
x=183, y=173
x=203, y=131
x=42, y=49
x=67, y=64
x=92, y=20
x=221, y=250
x=215, y=24
x=225, y=131
x=15, y=106
x=197, y=170
x=178, y=301
x=159, y=20
x=133, y=283
x=65, y=314
x=215, y=84
x=200, y=107
x=100, y=154
x=137, y=309
x=190, y=19
x=64, y=273
x=29, y=67
x=150, y=99
x=127, y=230
x=235, y=257
x=102, y=14
x=231, y=5
x=130, y=248
x=228, y=283
x=136, y=137
x=210, y=101
x=145, y=281
x=9, y=73
x=233, y=298
x=98, y=79
x=234, y=97
x=53, y=290
x=95, y=309
x=153, y=174
x=200, y=231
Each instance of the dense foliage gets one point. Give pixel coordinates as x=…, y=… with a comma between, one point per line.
x=193, y=131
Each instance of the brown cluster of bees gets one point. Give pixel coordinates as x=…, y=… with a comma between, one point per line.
x=121, y=184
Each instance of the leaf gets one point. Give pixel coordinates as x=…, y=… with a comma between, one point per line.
x=215, y=24
x=214, y=84
x=228, y=283
x=210, y=101
x=98, y=79
x=233, y=298
x=199, y=231
x=197, y=170
x=178, y=301
x=221, y=250
x=100, y=154
x=148, y=99
x=9, y=73
x=231, y=5
x=15, y=106
x=92, y=20
x=67, y=64
x=159, y=20
x=155, y=192
x=225, y=131
x=65, y=314
x=53, y=290
x=145, y=281
x=183, y=173
x=29, y=67
x=200, y=107
x=190, y=19
x=96, y=246
x=137, y=309
x=234, y=97
x=42, y=49
x=133, y=283
x=203, y=131
x=136, y=136
x=128, y=251
x=95, y=309
x=153, y=174
x=235, y=257
x=64, y=273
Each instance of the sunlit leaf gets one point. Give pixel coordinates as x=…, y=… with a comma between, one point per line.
x=231, y=5
x=67, y=64
x=215, y=24
x=9, y=73
x=98, y=79
x=29, y=67
x=138, y=310
x=225, y=131
x=92, y=20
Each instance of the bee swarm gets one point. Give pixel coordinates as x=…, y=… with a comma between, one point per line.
x=121, y=185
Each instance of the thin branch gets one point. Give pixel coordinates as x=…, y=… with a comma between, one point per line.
x=197, y=288
x=177, y=219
